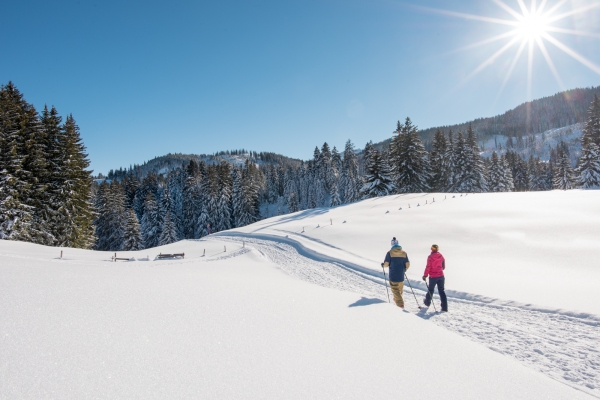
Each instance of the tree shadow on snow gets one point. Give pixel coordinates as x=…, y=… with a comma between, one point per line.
x=363, y=301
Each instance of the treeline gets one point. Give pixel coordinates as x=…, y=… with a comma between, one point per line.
x=189, y=203
x=171, y=162
x=201, y=199
x=454, y=164
x=45, y=187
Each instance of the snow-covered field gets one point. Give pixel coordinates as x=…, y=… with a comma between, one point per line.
x=296, y=307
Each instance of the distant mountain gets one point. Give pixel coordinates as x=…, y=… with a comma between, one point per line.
x=164, y=164
x=534, y=117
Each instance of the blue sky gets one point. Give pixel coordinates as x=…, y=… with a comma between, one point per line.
x=144, y=78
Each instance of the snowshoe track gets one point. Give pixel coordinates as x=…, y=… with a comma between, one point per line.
x=564, y=348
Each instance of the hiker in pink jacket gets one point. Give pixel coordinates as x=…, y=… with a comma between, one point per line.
x=435, y=270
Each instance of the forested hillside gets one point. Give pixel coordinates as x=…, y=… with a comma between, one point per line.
x=560, y=110
x=164, y=164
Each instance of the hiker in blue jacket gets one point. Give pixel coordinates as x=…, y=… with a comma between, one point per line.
x=397, y=261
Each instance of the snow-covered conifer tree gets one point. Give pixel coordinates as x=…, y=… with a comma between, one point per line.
x=496, y=175
x=507, y=178
x=349, y=181
x=334, y=199
x=476, y=172
x=378, y=181
x=112, y=217
x=438, y=162
x=589, y=165
x=192, y=204
x=169, y=232
x=564, y=177
x=151, y=227
x=450, y=163
x=133, y=236
x=409, y=160
x=77, y=209
x=591, y=131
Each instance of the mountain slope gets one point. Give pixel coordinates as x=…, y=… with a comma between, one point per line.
x=558, y=111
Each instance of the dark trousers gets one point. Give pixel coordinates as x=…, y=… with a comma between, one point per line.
x=440, y=285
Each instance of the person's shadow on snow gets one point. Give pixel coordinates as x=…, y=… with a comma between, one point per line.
x=363, y=301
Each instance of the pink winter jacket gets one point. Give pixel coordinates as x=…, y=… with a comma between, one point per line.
x=435, y=265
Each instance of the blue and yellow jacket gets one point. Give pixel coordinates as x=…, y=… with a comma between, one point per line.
x=397, y=260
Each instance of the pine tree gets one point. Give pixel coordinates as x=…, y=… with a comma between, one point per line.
x=192, y=204
x=151, y=227
x=148, y=185
x=334, y=199
x=589, y=161
x=55, y=157
x=133, y=237
x=461, y=158
x=438, y=162
x=350, y=182
x=476, y=172
x=589, y=165
x=520, y=174
x=591, y=131
x=409, y=160
x=224, y=211
x=169, y=232
x=377, y=178
x=78, y=205
x=508, y=177
x=176, y=184
x=497, y=175
x=238, y=199
x=450, y=175
x=167, y=206
x=292, y=202
x=533, y=174
x=564, y=177
x=111, y=217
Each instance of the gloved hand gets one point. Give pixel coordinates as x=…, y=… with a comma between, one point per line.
x=425, y=278
x=381, y=265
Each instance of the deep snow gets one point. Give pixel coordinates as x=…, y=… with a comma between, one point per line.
x=240, y=324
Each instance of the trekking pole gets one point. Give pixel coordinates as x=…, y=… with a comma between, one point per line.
x=386, y=287
x=411, y=289
x=431, y=294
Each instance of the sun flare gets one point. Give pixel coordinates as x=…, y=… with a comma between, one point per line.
x=532, y=26
x=529, y=28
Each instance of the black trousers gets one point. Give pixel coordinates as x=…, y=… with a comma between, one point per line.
x=440, y=285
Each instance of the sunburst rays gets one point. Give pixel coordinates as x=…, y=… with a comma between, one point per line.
x=531, y=27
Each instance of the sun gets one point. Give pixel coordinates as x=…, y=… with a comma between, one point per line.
x=532, y=27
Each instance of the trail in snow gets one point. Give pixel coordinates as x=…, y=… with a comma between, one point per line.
x=566, y=348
